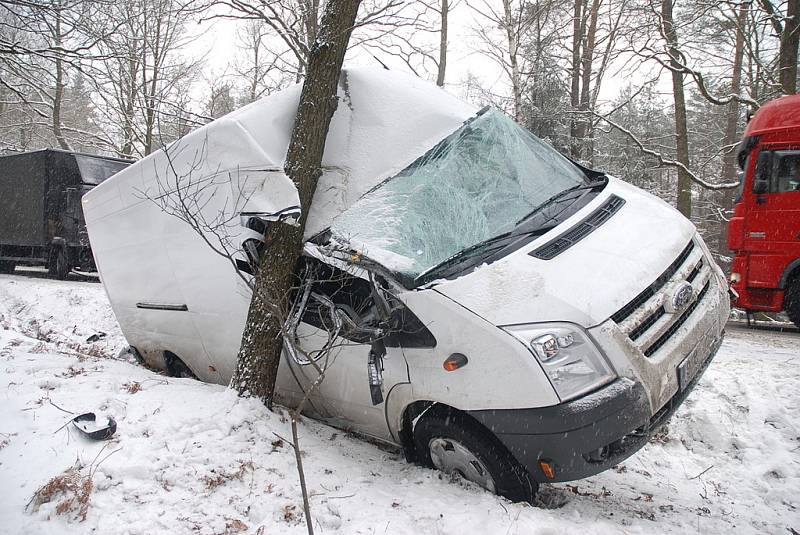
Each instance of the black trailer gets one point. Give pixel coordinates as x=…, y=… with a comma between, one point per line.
x=41, y=220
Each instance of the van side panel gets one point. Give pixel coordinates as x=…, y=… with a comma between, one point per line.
x=500, y=374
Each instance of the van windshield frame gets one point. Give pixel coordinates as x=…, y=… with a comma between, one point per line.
x=476, y=184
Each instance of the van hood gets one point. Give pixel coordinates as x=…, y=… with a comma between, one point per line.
x=588, y=282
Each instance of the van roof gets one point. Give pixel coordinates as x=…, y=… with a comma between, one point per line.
x=383, y=122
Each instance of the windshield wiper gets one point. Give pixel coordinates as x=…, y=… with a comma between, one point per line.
x=561, y=195
x=472, y=250
x=491, y=245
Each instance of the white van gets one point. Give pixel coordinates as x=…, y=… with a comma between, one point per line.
x=537, y=320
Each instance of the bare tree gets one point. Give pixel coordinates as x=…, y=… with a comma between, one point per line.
x=504, y=31
x=590, y=33
x=264, y=67
x=43, y=46
x=257, y=362
x=684, y=202
x=788, y=30
x=144, y=77
x=296, y=23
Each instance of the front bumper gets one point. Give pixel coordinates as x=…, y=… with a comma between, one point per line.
x=588, y=435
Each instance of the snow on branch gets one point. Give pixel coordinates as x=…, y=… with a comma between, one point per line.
x=665, y=161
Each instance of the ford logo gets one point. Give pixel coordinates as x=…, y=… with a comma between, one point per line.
x=682, y=296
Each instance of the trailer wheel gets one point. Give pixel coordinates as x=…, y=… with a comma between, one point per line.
x=455, y=444
x=7, y=266
x=791, y=300
x=58, y=263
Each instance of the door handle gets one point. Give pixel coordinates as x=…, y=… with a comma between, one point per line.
x=761, y=200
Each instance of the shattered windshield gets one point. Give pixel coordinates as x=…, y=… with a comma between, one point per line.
x=474, y=185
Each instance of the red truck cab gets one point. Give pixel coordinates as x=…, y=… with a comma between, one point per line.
x=764, y=232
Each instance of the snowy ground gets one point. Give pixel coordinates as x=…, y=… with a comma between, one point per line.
x=190, y=457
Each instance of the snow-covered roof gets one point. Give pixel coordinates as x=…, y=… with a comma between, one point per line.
x=384, y=121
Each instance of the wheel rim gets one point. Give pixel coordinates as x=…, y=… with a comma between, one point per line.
x=451, y=457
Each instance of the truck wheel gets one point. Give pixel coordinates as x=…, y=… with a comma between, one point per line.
x=791, y=300
x=455, y=444
x=7, y=266
x=58, y=263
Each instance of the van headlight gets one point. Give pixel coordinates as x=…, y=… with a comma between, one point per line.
x=570, y=359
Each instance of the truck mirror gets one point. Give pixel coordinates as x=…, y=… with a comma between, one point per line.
x=763, y=172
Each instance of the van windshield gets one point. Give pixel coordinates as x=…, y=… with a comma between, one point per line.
x=472, y=186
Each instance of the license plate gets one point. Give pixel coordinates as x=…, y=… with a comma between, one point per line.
x=688, y=367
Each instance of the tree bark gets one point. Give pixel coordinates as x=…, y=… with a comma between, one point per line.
x=788, y=49
x=513, y=49
x=58, y=94
x=575, y=76
x=587, y=59
x=262, y=340
x=728, y=171
x=684, y=201
x=442, y=67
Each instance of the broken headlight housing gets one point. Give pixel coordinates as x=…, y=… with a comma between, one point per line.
x=572, y=362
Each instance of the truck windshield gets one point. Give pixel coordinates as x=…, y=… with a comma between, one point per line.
x=474, y=185
x=95, y=170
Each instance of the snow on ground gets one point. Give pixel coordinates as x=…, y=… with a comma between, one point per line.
x=190, y=457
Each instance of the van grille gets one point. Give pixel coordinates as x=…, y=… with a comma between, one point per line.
x=655, y=346
x=651, y=290
x=645, y=319
x=560, y=244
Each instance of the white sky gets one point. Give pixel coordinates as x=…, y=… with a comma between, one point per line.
x=218, y=41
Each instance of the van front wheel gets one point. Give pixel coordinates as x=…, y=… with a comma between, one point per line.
x=455, y=444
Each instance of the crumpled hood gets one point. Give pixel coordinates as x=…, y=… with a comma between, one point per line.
x=588, y=282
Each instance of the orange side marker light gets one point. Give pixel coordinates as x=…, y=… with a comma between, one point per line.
x=549, y=473
x=454, y=362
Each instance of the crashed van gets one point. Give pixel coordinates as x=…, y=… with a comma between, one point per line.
x=471, y=295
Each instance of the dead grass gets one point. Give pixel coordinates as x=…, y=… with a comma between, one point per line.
x=218, y=478
x=72, y=371
x=661, y=436
x=290, y=513
x=235, y=525
x=5, y=439
x=70, y=491
x=132, y=387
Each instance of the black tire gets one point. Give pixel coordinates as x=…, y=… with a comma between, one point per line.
x=7, y=266
x=176, y=367
x=58, y=264
x=511, y=480
x=791, y=300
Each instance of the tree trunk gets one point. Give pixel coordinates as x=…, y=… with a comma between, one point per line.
x=445, y=11
x=684, y=202
x=788, y=50
x=262, y=340
x=58, y=99
x=58, y=95
x=513, y=49
x=575, y=77
x=587, y=58
x=728, y=170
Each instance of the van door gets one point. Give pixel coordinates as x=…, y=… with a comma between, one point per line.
x=343, y=396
